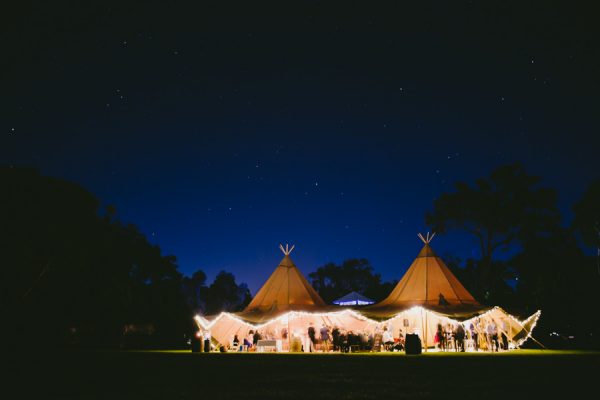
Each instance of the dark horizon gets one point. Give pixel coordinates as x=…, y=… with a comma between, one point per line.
x=336, y=137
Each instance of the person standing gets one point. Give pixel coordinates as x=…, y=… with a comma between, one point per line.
x=474, y=337
x=255, y=338
x=200, y=341
x=207, y=341
x=459, y=337
x=312, y=337
x=344, y=346
x=504, y=333
x=248, y=341
x=335, y=333
x=325, y=339
x=492, y=335
x=441, y=337
x=450, y=337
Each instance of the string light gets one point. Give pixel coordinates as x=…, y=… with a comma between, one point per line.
x=290, y=315
x=535, y=317
x=353, y=303
x=416, y=310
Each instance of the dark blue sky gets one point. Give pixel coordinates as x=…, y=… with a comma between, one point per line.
x=223, y=135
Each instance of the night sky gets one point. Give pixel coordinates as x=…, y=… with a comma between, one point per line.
x=222, y=133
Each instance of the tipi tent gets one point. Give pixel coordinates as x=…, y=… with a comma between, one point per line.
x=429, y=283
x=285, y=290
x=429, y=294
x=283, y=309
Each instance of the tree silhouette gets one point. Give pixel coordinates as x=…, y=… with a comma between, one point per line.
x=587, y=218
x=332, y=281
x=224, y=294
x=196, y=292
x=80, y=275
x=499, y=211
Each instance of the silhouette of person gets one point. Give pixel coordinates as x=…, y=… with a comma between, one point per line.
x=441, y=337
x=459, y=337
x=256, y=337
x=207, y=342
x=474, y=336
x=492, y=335
x=312, y=337
x=442, y=300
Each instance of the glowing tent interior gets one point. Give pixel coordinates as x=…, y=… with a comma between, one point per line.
x=286, y=303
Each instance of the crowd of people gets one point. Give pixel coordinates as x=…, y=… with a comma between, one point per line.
x=328, y=339
x=478, y=336
x=324, y=339
x=448, y=337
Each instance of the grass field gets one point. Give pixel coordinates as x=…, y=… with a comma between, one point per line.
x=183, y=375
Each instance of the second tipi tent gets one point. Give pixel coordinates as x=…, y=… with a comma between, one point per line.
x=428, y=283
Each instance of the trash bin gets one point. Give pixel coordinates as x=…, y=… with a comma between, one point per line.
x=195, y=346
x=412, y=344
x=296, y=345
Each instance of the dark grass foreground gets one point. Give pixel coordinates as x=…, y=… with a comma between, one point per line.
x=183, y=375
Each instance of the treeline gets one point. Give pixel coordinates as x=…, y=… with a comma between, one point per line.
x=531, y=257
x=76, y=275
x=73, y=274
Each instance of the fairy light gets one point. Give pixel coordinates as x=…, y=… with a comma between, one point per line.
x=535, y=317
x=413, y=311
x=290, y=315
x=353, y=303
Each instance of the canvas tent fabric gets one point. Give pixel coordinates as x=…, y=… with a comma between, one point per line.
x=285, y=302
x=285, y=290
x=353, y=299
x=427, y=283
x=429, y=294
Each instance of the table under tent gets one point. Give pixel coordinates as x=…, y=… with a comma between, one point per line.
x=429, y=295
x=283, y=310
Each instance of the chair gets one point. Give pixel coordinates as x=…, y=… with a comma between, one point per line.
x=377, y=343
x=233, y=348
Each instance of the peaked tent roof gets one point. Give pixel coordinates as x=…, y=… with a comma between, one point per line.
x=428, y=283
x=285, y=290
x=353, y=298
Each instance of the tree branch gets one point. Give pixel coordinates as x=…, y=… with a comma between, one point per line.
x=509, y=238
x=42, y=273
